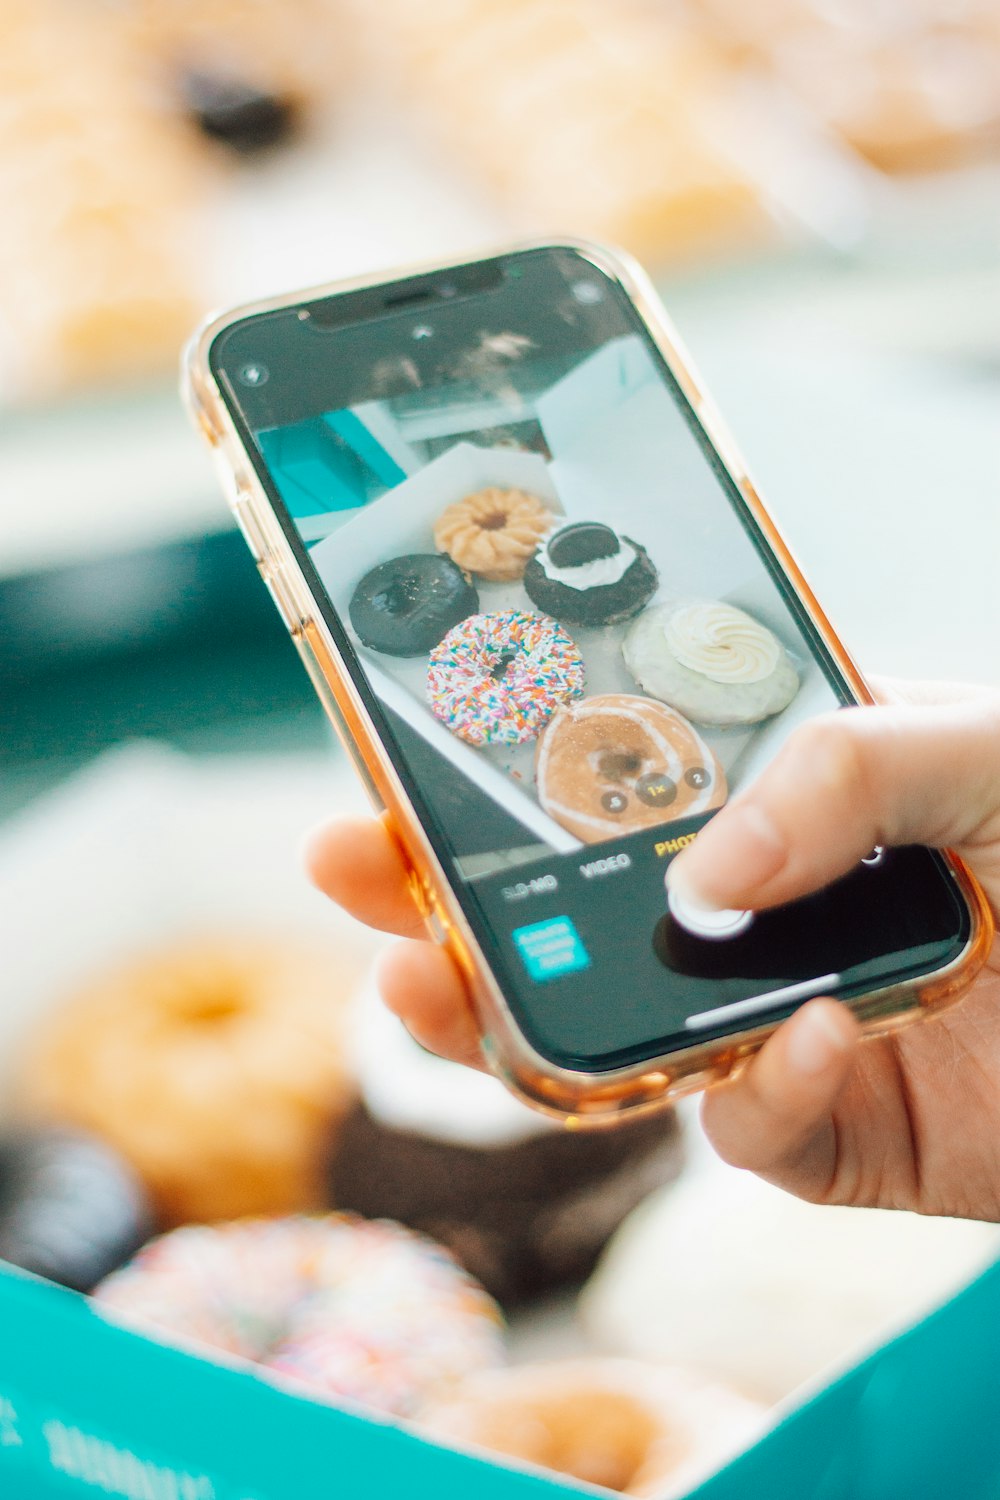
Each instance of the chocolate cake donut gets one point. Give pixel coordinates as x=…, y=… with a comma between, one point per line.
x=524, y=1205
x=588, y=574
x=406, y=605
x=71, y=1209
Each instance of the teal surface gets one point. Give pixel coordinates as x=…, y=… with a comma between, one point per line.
x=89, y=1409
x=86, y=1408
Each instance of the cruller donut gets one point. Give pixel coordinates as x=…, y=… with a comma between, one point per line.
x=215, y=1067
x=493, y=532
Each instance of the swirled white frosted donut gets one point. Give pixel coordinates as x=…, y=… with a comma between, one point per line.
x=710, y=661
x=721, y=642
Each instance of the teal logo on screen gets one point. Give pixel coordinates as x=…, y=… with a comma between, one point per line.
x=549, y=949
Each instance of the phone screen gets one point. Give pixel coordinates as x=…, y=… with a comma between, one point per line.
x=574, y=638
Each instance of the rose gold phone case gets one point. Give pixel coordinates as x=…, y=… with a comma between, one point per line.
x=577, y=1097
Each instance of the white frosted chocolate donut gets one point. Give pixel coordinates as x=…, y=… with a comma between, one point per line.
x=446, y=1150
x=710, y=661
x=636, y=1428
x=617, y=764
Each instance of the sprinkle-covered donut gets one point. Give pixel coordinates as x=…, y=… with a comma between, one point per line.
x=619, y=764
x=354, y=1308
x=497, y=679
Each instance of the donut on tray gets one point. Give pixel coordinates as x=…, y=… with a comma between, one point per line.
x=640, y=1429
x=356, y=1309
x=618, y=764
x=497, y=678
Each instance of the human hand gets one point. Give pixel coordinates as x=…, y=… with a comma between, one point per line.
x=910, y=1120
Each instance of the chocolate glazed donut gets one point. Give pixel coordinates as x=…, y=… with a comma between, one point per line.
x=70, y=1208
x=406, y=605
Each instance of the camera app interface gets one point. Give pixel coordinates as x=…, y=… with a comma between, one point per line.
x=562, y=609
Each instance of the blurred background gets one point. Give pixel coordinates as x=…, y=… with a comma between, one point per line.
x=815, y=185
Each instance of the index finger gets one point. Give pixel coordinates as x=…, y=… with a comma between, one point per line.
x=844, y=783
x=359, y=865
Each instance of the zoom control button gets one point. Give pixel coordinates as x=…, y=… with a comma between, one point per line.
x=714, y=925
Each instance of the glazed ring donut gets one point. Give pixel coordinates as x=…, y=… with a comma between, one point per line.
x=216, y=1068
x=493, y=533
x=640, y=1429
x=618, y=764
x=497, y=679
x=404, y=606
x=361, y=1310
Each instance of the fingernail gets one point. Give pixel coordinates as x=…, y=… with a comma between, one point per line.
x=816, y=1041
x=733, y=855
x=689, y=891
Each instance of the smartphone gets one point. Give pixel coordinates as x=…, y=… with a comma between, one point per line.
x=556, y=629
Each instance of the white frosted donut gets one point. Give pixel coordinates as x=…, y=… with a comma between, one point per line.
x=355, y=1308
x=711, y=661
x=776, y=1292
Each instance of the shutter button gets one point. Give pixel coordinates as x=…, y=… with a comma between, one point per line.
x=714, y=925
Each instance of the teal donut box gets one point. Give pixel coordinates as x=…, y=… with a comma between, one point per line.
x=87, y=1409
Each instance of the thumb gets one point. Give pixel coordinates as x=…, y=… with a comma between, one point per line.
x=844, y=783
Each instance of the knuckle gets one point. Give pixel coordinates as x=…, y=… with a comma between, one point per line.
x=838, y=754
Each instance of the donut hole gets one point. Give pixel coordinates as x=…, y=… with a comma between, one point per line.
x=215, y=1006
x=495, y=521
x=619, y=765
x=502, y=665
x=399, y=596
